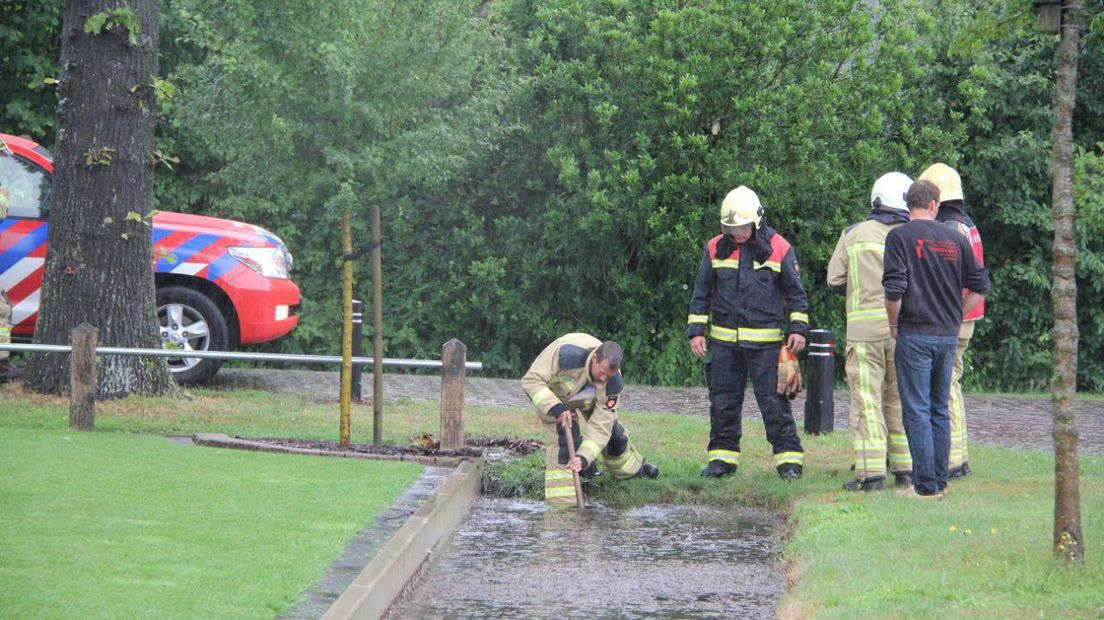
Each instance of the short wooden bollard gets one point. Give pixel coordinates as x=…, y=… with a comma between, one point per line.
x=453, y=357
x=82, y=378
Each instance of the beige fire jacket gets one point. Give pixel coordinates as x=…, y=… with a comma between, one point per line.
x=857, y=263
x=558, y=374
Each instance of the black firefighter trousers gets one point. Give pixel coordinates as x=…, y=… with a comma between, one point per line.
x=726, y=376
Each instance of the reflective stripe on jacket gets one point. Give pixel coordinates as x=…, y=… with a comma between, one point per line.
x=750, y=296
x=559, y=373
x=856, y=265
x=953, y=213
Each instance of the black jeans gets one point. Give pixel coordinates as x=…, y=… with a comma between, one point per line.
x=727, y=375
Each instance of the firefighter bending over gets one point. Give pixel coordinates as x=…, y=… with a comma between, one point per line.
x=575, y=383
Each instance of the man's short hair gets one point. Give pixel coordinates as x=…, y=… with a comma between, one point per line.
x=610, y=351
x=920, y=194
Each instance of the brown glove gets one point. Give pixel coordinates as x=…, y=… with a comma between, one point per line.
x=789, y=374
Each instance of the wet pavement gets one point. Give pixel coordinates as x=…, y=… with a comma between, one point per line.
x=1012, y=421
x=521, y=559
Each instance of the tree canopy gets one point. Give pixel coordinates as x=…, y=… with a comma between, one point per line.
x=556, y=166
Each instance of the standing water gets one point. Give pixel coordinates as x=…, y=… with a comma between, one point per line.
x=521, y=559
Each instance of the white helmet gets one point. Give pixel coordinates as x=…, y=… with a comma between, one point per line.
x=741, y=206
x=889, y=191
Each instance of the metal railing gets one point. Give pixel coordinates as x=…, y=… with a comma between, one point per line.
x=288, y=358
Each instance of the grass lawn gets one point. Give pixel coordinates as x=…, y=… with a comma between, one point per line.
x=982, y=553
x=114, y=525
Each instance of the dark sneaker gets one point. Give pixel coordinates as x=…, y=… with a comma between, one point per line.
x=961, y=471
x=649, y=471
x=902, y=478
x=872, y=484
x=9, y=371
x=789, y=472
x=717, y=469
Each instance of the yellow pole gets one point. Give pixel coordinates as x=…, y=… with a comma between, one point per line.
x=347, y=332
x=377, y=328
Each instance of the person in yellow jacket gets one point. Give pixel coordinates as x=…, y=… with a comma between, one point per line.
x=952, y=211
x=575, y=383
x=8, y=370
x=877, y=427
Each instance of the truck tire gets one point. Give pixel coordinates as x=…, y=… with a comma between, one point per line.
x=189, y=320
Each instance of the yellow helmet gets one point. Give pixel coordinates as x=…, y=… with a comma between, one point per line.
x=741, y=206
x=946, y=179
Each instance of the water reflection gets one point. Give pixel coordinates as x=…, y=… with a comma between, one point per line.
x=520, y=559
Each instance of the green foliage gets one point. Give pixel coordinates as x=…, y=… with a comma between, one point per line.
x=30, y=45
x=119, y=18
x=555, y=166
x=348, y=105
x=1004, y=85
x=635, y=120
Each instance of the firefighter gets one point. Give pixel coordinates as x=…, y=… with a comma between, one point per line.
x=575, y=383
x=951, y=211
x=8, y=370
x=856, y=270
x=747, y=291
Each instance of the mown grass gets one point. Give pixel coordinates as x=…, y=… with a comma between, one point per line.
x=118, y=525
x=982, y=553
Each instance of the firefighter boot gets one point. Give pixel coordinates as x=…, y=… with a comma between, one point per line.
x=872, y=484
x=9, y=371
x=717, y=469
x=961, y=471
x=649, y=471
x=902, y=478
x=789, y=471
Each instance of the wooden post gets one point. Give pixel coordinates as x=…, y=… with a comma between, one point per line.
x=453, y=356
x=377, y=328
x=82, y=378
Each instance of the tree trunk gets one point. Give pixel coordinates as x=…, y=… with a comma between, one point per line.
x=99, y=264
x=1068, y=541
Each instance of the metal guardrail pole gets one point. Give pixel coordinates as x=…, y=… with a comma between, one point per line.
x=820, y=370
x=358, y=333
x=288, y=358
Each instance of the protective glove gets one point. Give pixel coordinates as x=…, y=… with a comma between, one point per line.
x=789, y=374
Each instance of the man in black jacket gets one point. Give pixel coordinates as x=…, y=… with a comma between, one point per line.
x=927, y=266
x=747, y=295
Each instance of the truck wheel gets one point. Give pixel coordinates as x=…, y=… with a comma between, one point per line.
x=188, y=320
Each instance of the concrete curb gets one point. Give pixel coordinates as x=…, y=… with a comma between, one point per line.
x=381, y=582
x=220, y=440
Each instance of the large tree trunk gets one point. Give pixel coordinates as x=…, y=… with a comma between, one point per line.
x=99, y=264
x=1068, y=541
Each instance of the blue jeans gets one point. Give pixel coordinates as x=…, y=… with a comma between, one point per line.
x=924, y=366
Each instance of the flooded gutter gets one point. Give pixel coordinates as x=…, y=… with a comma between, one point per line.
x=374, y=590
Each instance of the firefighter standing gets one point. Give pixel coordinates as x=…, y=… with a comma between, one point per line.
x=575, y=383
x=747, y=283
x=8, y=370
x=952, y=212
x=856, y=269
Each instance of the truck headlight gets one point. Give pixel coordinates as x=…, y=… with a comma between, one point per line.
x=270, y=262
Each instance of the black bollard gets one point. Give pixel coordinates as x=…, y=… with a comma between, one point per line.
x=358, y=321
x=820, y=375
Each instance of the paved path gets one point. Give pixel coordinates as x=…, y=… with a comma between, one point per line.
x=1012, y=421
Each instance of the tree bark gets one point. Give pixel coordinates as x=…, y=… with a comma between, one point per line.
x=1068, y=541
x=98, y=267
